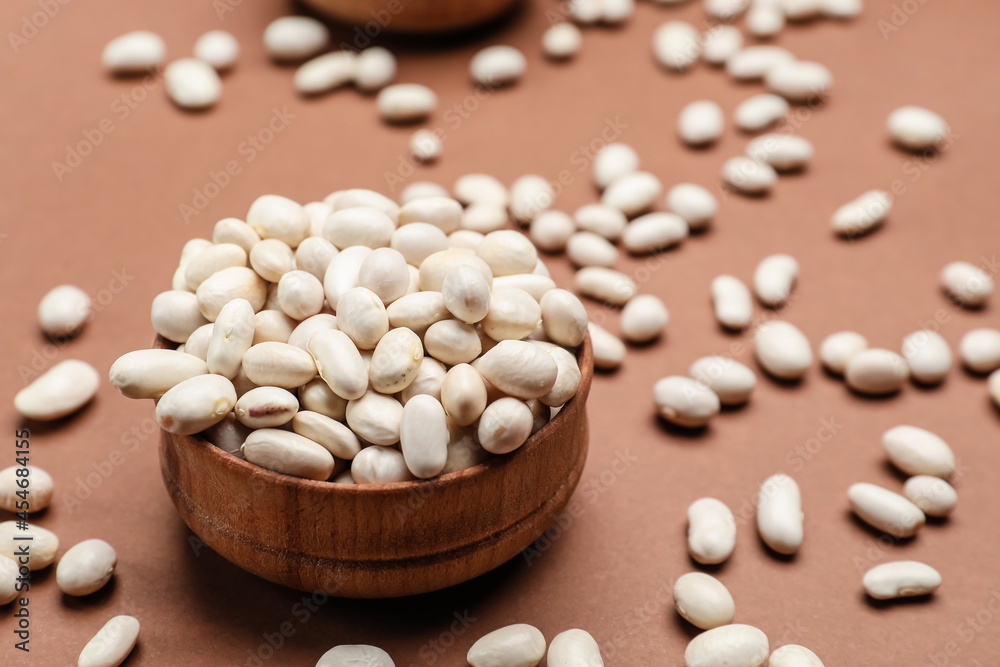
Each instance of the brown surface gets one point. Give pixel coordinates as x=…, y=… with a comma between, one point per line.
x=375, y=540
x=609, y=568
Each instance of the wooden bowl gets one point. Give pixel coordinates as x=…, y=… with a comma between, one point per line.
x=412, y=15
x=379, y=540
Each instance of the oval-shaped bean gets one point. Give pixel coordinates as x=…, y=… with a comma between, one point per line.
x=901, y=579
x=793, y=655
x=86, y=567
x=444, y=213
x=760, y=112
x=765, y=20
x=508, y=252
x=418, y=310
x=837, y=349
x=375, y=417
x=529, y=196
x=375, y=69
x=562, y=41
x=754, y=62
x=916, y=128
x=380, y=465
x=192, y=83
x=385, y=273
x=863, y=214
x=782, y=350
x=928, y=356
x=643, y=319
x=337, y=438
x=266, y=407
x=361, y=315
x=175, y=315
x=518, y=368
x=436, y=267
x=338, y=361
x=513, y=314
x=693, y=203
x=406, y=102
x=533, y=283
x=676, y=45
x=350, y=655
x=518, y=645
x=480, y=189
x=748, y=176
x=632, y=193
x=917, y=451
x=63, y=311
x=719, y=42
x=605, y=285
x=326, y=72
x=60, y=391
x=359, y=225
x=685, y=402
x=44, y=544
x=134, y=52
x=779, y=514
x=237, y=232
x=237, y=282
x=653, y=232
x=423, y=436
x=732, y=302
x=876, y=371
x=966, y=284
x=590, y=249
x=799, y=80
x=278, y=365
x=933, y=495
x=884, y=510
x=703, y=600
x=731, y=381
x=112, y=643
x=218, y=48
x=466, y=294
x=463, y=394
x=228, y=435
x=150, y=373
x=784, y=152
x=343, y=273
x=309, y=327
x=733, y=645
x=605, y=221
x=395, y=361
x=700, y=123
x=497, y=66
x=979, y=350
x=609, y=350
x=774, y=278
x=417, y=241
x=505, y=425
x=574, y=647
x=37, y=490
x=452, y=342
x=194, y=404
x=288, y=453
x=711, y=535
x=212, y=259
x=9, y=575
x=232, y=336
x=295, y=37
x=567, y=378
x=564, y=318
x=612, y=161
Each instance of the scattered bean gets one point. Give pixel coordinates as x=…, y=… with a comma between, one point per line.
x=685, y=402
x=901, y=579
x=837, y=349
x=112, y=643
x=733, y=645
x=60, y=391
x=134, y=53
x=86, y=567
x=782, y=350
x=779, y=514
x=517, y=645
x=711, y=535
x=703, y=601
x=884, y=510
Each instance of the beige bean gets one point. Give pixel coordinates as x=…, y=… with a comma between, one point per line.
x=354, y=197
x=361, y=315
x=654, y=232
x=236, y=282
x=529, y=196
x=64, y=311
x=793, y=655
x=933, y=495
x=195, y=404
x=442, y=212
x=685, y=402
x=732, y=302
x=917, y=451
x=466, y=294
x=452, y=342
x=360, y=225
x=60, y=391
x=235, y=231
x=380, y=465
x=534, y=284
x=513, y=314
x=343, y=272
x=731, y=381
x=782, y=350
x=228, y=435
x=876, y=371
x=505, y=425
x=605, y=221
x=518, y=645
x=278, y=365
x=773, y=279
x=339, y=363
x=480, y=188
x=507, y=252
x=317, y=396
x=212, y=259
x=355, y=655
x=271, y=259
x=9, y=575
x=632, y=193
x=276, y=217
x=300, y=294
x=375, y=417
x=550, y=231
x=605, y=285
x=150, y=373
x=112, y=644
x=385, y=273
x=288, y=453
x=436, y=267
x=564, y=317
x=336, y=437
x=518, y=368
x=884, y=510
x=418, y=310
x=44, y=544
x=614, y=160
x=417, y=241
x=779, y=514
x=711, y=535
x=314, y=255
x=484, y=217
x=703, y=600
x=86, y=567
x=266, y=407
x=395, y=361
x=643, y=319
x=837, y=349
x=35, y=494
x=175, y=315
x=609, y=350
x=463, y=394
x=232, y=336
x=590, y=249
x=901, y=579
x=423, y=436
x=568, y=376
x=733, y=645
x=428, y=379
x=310, y=326
x=574, y=647
x=269, y=325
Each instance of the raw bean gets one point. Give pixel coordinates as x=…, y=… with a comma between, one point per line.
x=703, y=600
x=774, y=278
x=517, y=645
x=355, y=197
x=112, y=643
x=979, y=350
x=199, y=340
x=44, y=544
x=884, y=510
x=463, y=394
x=779, y=514
x=395, y=361
x=837, y=349
x=228, y=435
x=343, y=272
x=613, y=161
x=375, y=418
x=966, y=284
x=435, y=268
x=86, y=567
x=564, y=318
x=317, y=396
x=266, y=407
x=732, y=302
x=314, y=255
x=497, y=66
x=175, y=315
x=793, y=655
x=801, y=10
x=406, y=102
x=326, y=72
x=551, y=230
x=609, y=351
x=684, y=401
x=700, y=123
x=605, y=221
x=653, y=232
x=150, y=373
x=380, y=465
x=567, y=378
x=417, y=311
x=485, y=218
x=841, y=9
x=562, y=41
x=423, y=436
x=288, y=453
x=236, y=232
x=420, y=189
x=765, y=20
x=916, y=128
x=375, y=68
x=359, y=226
x=465, y=239
x=799, y=80
x=754, y=62
x=748, y=176
x=731, y=381
x=237, y=282
x=60, y=391
x=586, y=12
x=480, y=189
x=280, y=218
x=350, y=655
x=507, y=252
x=328, y=432
x=695, y=204
x=463, y=450
x=643, y=319
x=917, y=451
x=572, y=648
x=9, y=574
x=63, y=311
x=589, y=249
x=452, y=342
x=38, y=493
x=529, y=196
x=615, y=12
x=295, y=37
x=307, y=328
x=278, y=365
x=782, y=350
x=232, y=336
x=242, y=383
x=192, y=83
x=417, y=241
x=863, y=214
x=384, y=272
x=632, y=193
x=513, y=314
x=339, y=363
x=733, y=645
x=535, y=285
x=725, y=10
x=218, y=48
x=711, y=535
x=518, y=368
x=442, y=212
x=719, y=42
x=784, y=152
x=361, y=315
x=195, y=404
x=876, y=371
x=760, y=112
x=901, y=579
x=428, y=380
x=933, y=495
x=676, y=45
x=606, y=285
x=318, y=212
x=425, y=145
x=928, y=356
x=134, y=53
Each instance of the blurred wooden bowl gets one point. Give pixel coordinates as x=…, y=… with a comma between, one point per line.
x=379, y=540
x=412, y=15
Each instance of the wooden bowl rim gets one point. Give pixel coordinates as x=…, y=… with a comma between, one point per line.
x=585, y=361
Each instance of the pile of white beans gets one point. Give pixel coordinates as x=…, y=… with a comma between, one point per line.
x=358, y=340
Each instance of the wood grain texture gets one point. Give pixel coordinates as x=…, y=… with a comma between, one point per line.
x=379, y=540
x=414, y=15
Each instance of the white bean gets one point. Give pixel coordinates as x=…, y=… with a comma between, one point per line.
x=784, y=152
x=176, y=314
x=760, y=112
x=700, y=123
x=654, y=232
x=719, y=42
x=551, y=230
x=734, y=645
x=731, y=381
x=480, y=189
x=218, y=48
x=420, y=189
x=917, y=451
x=841, y=9
x=725, y=10
x=933, y=495
x=192, y=83
x=513, y=314
x=564, y=318
x=339, y=363
x=574, y=647
x=732, y=302
x=425, y=145
x=793, y=655
x=613, y=161
x=837, y=349
x=442, y=212
x=508, y=252
x=590, y=249
x=232, y=336
x=884, y=510
x=606, y=285
x=643, y=319
x=34, y=497
x=703, y=600
x=43, y=544
x=927, y=355
x=966, y=283
x=529, y=196
x=329, y=432
x=361, y=315
x=711, y=535
x=353, y=655
x=685, y=402
x=782, y=350
x=863, y=214
x=436, y=267
x=534, y=284
x=609, y=350
x=307, y=328
x=380, y=465
x=406, y=102
x=600, y=219
x=60, y=391
x=195, y=404
x=375, y=417
x=773, y=279
x=876, y=371
x=748, y=176
x=497, y=66
x=86, y=567
x=695, y=204
x=112, y=644
x=288, y=453
x=486, y=217
x=63, y=311
x=562, y=41
x=901, y=579
x=134, y=52
x=799, y=80
x=632, y=193
x=754, y=62
x=979, y=350
x=779, y=514
x=326, y=72
x=237, y=232
x=518, y=368
x=395, y=361
x=512, y=646
x=279, y=365
x=765, y=20
x=150, y=373
x=9, y=575
x=423, y=436
x=277, y=217
x=374, y=69
x=266, y=407
x=452, y=342
x=676, y=45
x=295, y=37
x=354, y=197
x=917, y=129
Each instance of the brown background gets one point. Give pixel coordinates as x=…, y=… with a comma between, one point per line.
x=610, y=570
